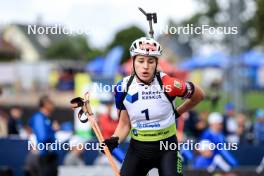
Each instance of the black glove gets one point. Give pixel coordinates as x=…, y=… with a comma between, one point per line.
x=111, y=143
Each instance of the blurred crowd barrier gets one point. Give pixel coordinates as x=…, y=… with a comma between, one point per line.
x=14, y=157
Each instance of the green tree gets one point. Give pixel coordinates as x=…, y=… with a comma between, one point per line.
x=259, y=17
x=124, y=38
x=251, y=28
x=72, y=47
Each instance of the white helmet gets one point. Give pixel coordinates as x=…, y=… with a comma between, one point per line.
x=145, y=46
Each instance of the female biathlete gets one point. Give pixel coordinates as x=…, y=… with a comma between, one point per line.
x=144, y=102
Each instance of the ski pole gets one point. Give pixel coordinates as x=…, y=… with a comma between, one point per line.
x=86, y=109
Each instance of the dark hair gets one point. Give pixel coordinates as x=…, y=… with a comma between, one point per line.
x=43, y=99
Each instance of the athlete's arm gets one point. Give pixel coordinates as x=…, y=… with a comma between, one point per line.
x=192, y=93
x=123, y=127
x=197, y=96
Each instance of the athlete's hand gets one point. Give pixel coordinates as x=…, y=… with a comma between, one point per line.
x=111, y=143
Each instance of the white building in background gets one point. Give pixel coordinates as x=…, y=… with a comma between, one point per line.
x=14, y=34
x=30, y=45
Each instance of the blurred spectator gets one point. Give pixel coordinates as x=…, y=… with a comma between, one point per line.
x=31, y=165
x=215, y=121
x=74, y=158
x=214, y=134
x=14, y=120
x=53, y=78
x=42, y=128
x=190, y=121
x=202, y=123
x=194, y=124
x=205, y=157
x=241, y=127
x=244, y=129
x=66, y=80
x=66, y=126
x=3, y=121
x=207, y=160
x=108, y=119
x=230, y=124
x=214, y=93
x=55, y=125
x=3, y=124
x=259, y=127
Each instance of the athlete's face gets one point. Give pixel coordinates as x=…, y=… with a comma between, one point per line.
x=145, y=67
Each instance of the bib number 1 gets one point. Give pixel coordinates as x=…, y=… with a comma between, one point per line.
x=146, y=112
